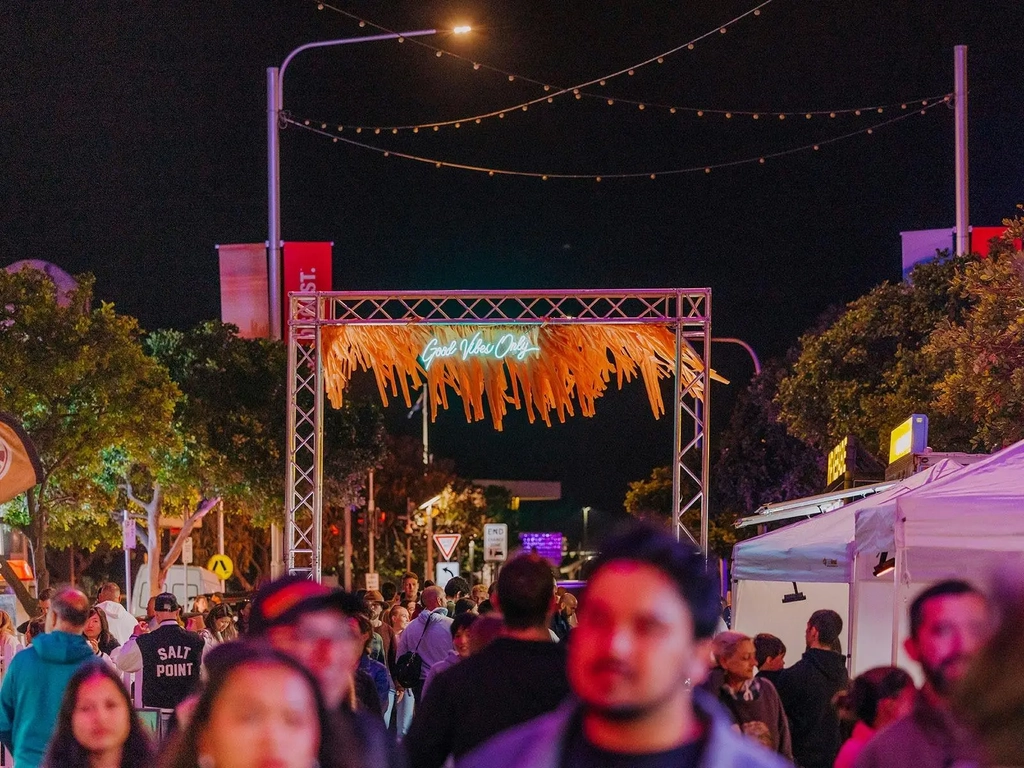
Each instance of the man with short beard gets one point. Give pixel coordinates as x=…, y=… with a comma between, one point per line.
x=641, y=645
x=949, y=623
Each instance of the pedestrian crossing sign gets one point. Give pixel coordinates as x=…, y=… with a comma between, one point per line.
x=221, y=566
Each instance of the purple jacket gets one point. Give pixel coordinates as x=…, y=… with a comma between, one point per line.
x=539, y=742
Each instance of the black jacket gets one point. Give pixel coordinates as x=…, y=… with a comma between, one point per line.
x=806, y=690
x=505, y=684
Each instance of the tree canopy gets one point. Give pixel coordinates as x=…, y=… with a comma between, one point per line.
x=80, y=381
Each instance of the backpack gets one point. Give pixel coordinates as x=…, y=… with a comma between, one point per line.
x=409, y=666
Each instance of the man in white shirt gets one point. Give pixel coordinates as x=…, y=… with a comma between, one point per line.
x=120, y=622
x=429, y=634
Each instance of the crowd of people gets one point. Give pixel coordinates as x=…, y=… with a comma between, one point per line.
x=635, y=673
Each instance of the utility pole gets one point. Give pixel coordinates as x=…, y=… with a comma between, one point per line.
x=963, y=220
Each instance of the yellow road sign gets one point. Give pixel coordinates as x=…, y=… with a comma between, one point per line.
x=221, y=566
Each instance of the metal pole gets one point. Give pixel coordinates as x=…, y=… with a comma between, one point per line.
x=371, y=510
x=348, y=549
x=274, y=201
x=586, y=512
x=291, y=471
x=430, y=543
x=472, y=557
x=127, y=568
x=963, y=221
x=426, y=442
x=220, y=536
x=750, y=351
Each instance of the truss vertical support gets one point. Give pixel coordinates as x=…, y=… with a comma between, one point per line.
x=705, y=430
x=304, y=475
x=677, y=430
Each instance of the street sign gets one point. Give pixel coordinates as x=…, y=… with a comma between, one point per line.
x=495, y=542
x=221, y=566
x=446, y=543
x=373, y=582
x=129, y=533
x=186, y=551
x=444, y=572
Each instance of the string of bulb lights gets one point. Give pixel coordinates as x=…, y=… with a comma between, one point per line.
x=554, y=91
x=322, y=129
x=654, y=106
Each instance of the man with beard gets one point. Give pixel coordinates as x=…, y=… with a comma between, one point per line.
x=949, y=623
x=641, y=644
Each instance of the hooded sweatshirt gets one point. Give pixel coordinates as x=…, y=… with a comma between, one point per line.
x=32, y=691
x=806, y=690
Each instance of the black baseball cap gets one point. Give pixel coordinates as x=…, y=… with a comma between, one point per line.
x=284, y=600
x=165, y=602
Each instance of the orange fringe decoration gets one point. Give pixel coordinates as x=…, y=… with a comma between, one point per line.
x=569, y=362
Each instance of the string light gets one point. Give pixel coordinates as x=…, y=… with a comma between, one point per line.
x=759, y=159
x=512, y=76
x=580, y=94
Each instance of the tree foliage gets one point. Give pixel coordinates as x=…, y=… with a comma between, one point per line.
x=982, y=383
x=759, y=462
x=650, y=500
x=864, y=372
x=80, y=381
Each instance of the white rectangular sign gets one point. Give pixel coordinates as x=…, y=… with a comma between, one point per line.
x=495, y=542
x=373, y=582
x=186, y=551
x=443, y=572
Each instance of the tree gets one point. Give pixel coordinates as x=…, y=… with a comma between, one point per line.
x=759, y=462
x=863, y=372
x=651, y=500
x=982, y=383
x=80, y=381
x=229, y=430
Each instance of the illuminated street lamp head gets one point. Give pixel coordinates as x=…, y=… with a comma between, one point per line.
x=462, y=29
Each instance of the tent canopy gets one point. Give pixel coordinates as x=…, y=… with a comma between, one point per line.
x=822, y=549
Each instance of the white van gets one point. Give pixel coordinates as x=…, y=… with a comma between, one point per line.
x=183, y=582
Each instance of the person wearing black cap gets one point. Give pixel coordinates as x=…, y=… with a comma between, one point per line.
x=316, y=626
x=170, y=657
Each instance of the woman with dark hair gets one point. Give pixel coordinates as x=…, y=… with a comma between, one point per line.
x=97, y=632
x=97, y=726
x=258, y=707
x=876, y=698
x=221, y=623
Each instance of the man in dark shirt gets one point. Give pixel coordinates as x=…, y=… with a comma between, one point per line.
x=170, y=657
x=807, y=689
x=516, y=677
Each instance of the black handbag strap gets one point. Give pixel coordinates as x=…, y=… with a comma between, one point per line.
x=424, y=633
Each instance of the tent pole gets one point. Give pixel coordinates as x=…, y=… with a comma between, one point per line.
x=896, y=583
x=851, y=638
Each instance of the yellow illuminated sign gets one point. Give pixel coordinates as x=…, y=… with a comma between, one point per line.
x=837, y=461
x=909, y=437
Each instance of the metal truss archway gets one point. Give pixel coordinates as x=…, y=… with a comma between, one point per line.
x=686, y=310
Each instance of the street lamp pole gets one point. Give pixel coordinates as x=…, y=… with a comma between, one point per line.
x=750, y=351
x=275, y=106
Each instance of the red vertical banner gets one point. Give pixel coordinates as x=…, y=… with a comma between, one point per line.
x=307, y=268
x=244, y=298
x=981, y=237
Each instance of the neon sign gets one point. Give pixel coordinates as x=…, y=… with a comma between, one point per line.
x=505, y=346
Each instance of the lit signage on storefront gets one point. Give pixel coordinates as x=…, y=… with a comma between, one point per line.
x=505, y=345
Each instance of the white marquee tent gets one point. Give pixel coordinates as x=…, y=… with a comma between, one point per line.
x=946, y=521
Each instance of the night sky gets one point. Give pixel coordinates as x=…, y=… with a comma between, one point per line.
x=134, y=140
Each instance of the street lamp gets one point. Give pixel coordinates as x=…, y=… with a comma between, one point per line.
x=275, y=106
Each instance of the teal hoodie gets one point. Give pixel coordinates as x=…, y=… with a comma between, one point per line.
x=32, y=691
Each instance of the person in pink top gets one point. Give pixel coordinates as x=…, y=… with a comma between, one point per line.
x=877, y=697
